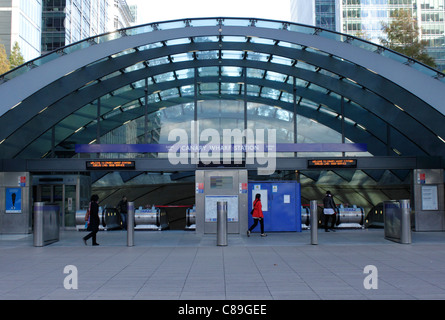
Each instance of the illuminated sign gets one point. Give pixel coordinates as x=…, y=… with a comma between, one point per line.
x=332, y=163
x=107, y=165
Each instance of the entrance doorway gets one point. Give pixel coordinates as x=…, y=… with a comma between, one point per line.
x=71, y=193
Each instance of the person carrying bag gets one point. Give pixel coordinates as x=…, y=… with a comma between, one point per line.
x=257, y=214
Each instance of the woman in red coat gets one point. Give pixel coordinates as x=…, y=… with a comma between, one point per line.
x=257, y=215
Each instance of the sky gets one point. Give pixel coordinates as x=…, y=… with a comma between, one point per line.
x=161, y=10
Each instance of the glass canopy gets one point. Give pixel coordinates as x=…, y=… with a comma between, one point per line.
x=224, y=80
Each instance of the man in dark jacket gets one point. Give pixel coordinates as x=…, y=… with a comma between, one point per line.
x=329, y=211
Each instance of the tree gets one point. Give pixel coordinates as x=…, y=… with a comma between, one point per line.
x=4, y=63
x=16, y=58
x=402, y=35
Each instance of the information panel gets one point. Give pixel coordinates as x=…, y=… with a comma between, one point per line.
x=332, y=163
x=211, y=208
x=107, y=165
x=429, y=198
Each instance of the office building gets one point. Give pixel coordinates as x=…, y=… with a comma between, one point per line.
x=364, y=18
x=20, y=21
x=69, y=21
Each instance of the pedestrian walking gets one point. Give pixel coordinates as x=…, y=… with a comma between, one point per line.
x=329, y=211
x=94, y=221
x=257, y=215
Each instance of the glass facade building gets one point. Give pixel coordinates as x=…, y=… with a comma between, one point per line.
x=69, y=21
x=20, y=21
x=364, y=18
x=325, y=16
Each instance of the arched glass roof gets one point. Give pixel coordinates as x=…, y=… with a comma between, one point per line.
x=310, y=84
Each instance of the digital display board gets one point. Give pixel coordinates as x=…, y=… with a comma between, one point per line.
x=221, y=182
x=111, y=165
x=332, y=163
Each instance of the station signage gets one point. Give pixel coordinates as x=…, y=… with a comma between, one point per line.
x=332, y=163
x=111, y=165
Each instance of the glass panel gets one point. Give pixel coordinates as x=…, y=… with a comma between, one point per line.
x=287, y=97
x=150, y=46
x=274, y=76
x=170, y=93
x=177, y=41
x=182, y=57
x=233, y=39
x=204, y=55
x=139, y=30
x=46, y=59
x=269, y=24
x=209, y=88
x=208, y=71
x=257, y=56
x=332, y=35
x=203, y=22
x=123, y=53
x=394, y=56
x=169, y=76
x=231, y=71
x=108, y=37
x=301, y=28
x=185, y=74
x=229, y=88
x=262, y=41
x=255, y=73
x=282, y=60
x=206, y=39
x=270, y=93
x=171, y=25
x=253, y=90
x=237, y=22
x=229, y=54
x=188, y=90
x=78, y=46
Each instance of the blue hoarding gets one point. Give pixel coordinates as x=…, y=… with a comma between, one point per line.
x=13, y=200
x=281, y=203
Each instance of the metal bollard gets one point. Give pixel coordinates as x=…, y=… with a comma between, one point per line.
x=38, y=224
x=405, y=236
x=130, y=224
x=314, y=222
x=221, y=223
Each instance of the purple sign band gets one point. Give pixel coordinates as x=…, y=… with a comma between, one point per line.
x=165, y=148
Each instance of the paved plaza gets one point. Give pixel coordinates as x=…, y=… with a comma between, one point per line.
x=181, y=265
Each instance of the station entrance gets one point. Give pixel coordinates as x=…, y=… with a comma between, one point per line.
x=182, y=200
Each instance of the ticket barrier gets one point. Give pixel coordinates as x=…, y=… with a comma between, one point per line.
x=150, y=219
x=347, y=217
x=350, y=217
x=190, y=219
x=305, y=217
x=46, y=224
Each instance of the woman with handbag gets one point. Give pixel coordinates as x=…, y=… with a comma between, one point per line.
x=94, y=220
x=257, y=215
